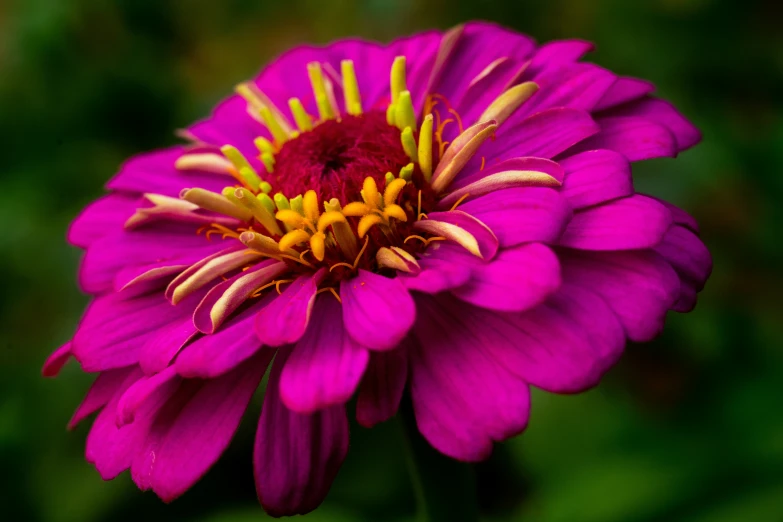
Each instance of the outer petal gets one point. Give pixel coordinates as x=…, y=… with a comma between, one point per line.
x=285, y=319
x=464, y=229
x=443, y=267
x=463, y=399
x=326, y=365
x=578, y=86
x=629, y=223
x=296, y=457
x=690, y=259
x=517, y=279
x=105, y=386
x=161, y=347
x=555, y=55
x=102, y=217
x=634, y=137
x=194, y=429
x=381, y=389
x=639, y=286
x=596, y=176
x=377, y=311
x=624, y=90
x=55, y=362
x=662, y=112
x=521, y=215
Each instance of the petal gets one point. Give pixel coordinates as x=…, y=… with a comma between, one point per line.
x=377, y=311
x=161, y=347
x=634, y=137
x=662, y=112
x=55, y=362
x=285, y=319
x=165, y=382
x=690, y=258
x=439, y=271
x=154, y=172
x=463, y=229
x=381, y=389
x=624, y=224
x=105, y=386
x=102, y=217
x=623, y=91
x=194, y=428
x=516, y=279
x=521, y=215
x=463, y=399
x=225, y=298
x=296, y=457
x=578, y=86
x=326, y=365
x=639, y=286
x=594, y=177
x=556, y=54
x=215, y=354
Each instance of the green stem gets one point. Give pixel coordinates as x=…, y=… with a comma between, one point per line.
x=445, y=489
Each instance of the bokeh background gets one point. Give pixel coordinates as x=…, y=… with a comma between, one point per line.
x=687, y=428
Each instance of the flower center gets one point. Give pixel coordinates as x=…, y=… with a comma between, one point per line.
x=335, y=157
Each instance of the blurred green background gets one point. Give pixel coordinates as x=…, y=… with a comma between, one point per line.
x=688, y=428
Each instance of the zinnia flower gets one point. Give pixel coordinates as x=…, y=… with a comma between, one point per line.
x=452, y=214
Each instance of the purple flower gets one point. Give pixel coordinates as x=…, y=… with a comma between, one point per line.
x=453, y=212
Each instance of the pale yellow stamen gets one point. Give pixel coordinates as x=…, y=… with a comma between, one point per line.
x=405, y=114
x=303, y=120
x=280, y=135
x=264, y=145
x=259, y=210
x=207, y=162
x=504, y=105
x=216, y=203
x=353, y=101
x=425, y=148
x=319, y=90
x=268, y=160
x=398, y=83
x=409, y=143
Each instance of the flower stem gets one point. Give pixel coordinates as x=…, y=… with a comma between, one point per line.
x=445, y=489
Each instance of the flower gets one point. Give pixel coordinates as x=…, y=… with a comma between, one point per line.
x=453, y=212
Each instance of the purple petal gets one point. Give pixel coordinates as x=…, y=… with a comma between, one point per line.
x=679, y=216
x=511, y=165
x=596, y=176
x=663, y=113
x=161, y=347
x=191, y=432
x=55, y=362
x=521, y=215
x=377, y=311
x=624, y=224
x=639, y=286
x=285, y=319
x=463, y=229
x=102, y=217
x=213, y=355
x=154, y=172
x=686, y=253
x=516, y=279
x=165, y=382
x=326, y=365
x=463, y=399
x=578, y=86
x=634, y=137
x=381, y=389
x=624, y=90
x=105, y=386
x=296, y=456
x=556, y=54
x=443, y=267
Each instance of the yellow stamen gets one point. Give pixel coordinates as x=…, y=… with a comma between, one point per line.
x=394, y=211
x=406, y=172
x=425, y=148
x=504, y=105
x=303, y=120
x=353, y=101
x=264, y=145
x=391, y=113
x=392, y=191
x=310, y=206
x=319, y=90
x=389, y=177
x=328, y=219
x=215, y=203
x=370, y=192
x=398, y=83
x=409, y=143
x=343, y=234
x=250, y=178
x=208, y=162
x=280, y=135
x=459, y=202
x=291, y=218
x=267, y=202
x=356, y=209
x=282, y=202
x=404, y=113
x=387, y=258
x=296, y=204
x=318, y=245
x=293, y=238
x=269, y=162
x=367, y=222
x=266, y=188
x=258, y=209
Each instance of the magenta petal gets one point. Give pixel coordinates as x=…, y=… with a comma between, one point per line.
x=194, y=428
x=285, y=319
x=639, y=286
x=624, y=224
x=663, y=113
x=165, y=382
x=105, y=386
x=55, y=362
x=114, y=330
x=296, y=456
x=463, y=399
x=161, y=348
x=596, y=176
x=154, y=172
x=443, y=267
x=485, y=239
x=634, y=137
x=101, y=218
x=521, y=215
x=213, y=355
x=326, y=365
x=690, y=259
x=578, y=86
x=381, y=389
x=554, y=55
x=624, y=90
x=112, y=449
x=516, y=279
x=514, y=164
x=377, y=311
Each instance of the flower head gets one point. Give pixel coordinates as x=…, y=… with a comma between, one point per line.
x=453, y=212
